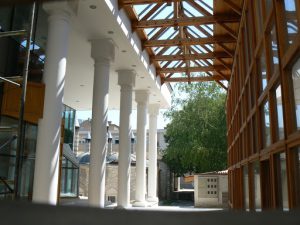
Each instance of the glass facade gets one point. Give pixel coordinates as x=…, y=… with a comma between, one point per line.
x=266, y=125
x=8, y=140
x=263, y=71
x=279, y=108
x=246, y=188
x=256, y=183
x=12, y=54
x=272, y=80
x=281, y=173
x=69, y=178
x=291, y=20
x=296, y=86
x=69, y=120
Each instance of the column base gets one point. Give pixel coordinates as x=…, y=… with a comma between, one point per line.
x=140, y=204
x=153, y=199
x=123, y=207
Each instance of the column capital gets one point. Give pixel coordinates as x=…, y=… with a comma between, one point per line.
x=153, y=109
x=103, y=49
x=142, y=96
x=126, y=77
x=61, y=9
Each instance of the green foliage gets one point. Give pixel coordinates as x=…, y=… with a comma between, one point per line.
x=196, y=135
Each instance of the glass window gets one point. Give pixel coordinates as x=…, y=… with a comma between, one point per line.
x=291, y=20
x=69, y=179
x=296, y=158
x=262, y=70
x=296, y=86
x=5, y=18
x=255, y=140
x=279, y=109
x=256, y=179
x=266, y=125
x=282, y=193
x=274, y=50
x=8, y=159
x=246, y=187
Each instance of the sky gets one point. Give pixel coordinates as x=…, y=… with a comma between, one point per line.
x=113, y=115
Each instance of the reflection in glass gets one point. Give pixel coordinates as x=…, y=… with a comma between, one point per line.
x=246, y=187
x=274, y=50
x=263, y=70
x=257, y=194
x=69, y=119
x=8, y=159
x=69, y=175
x=280, y=125
x=266, y=124
x=291, y=20
x=297, y=174
x=296, y=86
x=282, y=181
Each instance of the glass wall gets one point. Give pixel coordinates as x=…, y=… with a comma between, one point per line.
x=279, y=108
x=291, y=20
x=69, y=178
x=69, y=120
x=256, y=183
x=8, y=142
x=12, y=54
x=266, y=125
x=246, y=187
x=281, y=178
x=296, y=85
x=273, y=84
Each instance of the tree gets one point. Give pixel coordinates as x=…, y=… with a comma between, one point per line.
x=196, y=135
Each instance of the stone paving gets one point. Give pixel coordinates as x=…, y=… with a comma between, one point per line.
x=163, y=206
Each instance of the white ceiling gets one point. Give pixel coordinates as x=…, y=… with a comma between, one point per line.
x=106, y=21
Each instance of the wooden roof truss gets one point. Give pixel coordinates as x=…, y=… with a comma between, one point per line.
x=187, y=40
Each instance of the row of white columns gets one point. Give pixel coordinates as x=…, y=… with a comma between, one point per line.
x=49, y=127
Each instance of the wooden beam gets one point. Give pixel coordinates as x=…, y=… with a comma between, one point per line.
x=191, y=69
x=186, y=21
x=210, y=55
x=193, y=79
x=189, y=41
x=233, y=6
x=142, y=2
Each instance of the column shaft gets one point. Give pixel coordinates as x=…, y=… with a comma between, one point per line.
x=142, y=101
x=49, y=128
x=126, y=81
x=102, y=53
x=152, y=170
x=99, y=140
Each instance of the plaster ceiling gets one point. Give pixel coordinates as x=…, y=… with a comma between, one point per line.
x=98, y=19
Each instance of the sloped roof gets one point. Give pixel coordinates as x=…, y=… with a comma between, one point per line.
x=187, y=40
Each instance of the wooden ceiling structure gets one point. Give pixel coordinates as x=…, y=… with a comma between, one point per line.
x=187, y=40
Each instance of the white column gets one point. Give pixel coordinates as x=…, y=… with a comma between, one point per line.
x=152, y=169
x=103, y=52
x=49, y=127
x=126, y=79
x=141, y=97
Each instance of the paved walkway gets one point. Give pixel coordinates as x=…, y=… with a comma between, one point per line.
x=172, y=206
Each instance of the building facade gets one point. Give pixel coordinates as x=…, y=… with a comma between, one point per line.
x=75, y=63
x=263, y=108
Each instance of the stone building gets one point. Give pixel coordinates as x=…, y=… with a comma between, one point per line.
x=211, y=189
x=83, y=152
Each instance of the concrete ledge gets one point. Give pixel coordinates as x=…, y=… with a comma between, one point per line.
x=35, y=214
